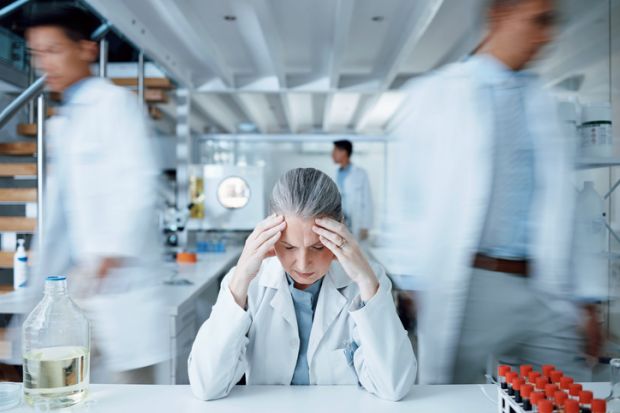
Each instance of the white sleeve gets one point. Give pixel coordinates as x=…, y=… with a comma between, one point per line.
x=384, y=361
x=218, y=357
x=131, y=170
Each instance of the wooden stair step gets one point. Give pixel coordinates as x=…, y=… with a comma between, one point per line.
x=27, y=129
x=6, y=260
x=149, y=82
x=18, y=224
x=155, y=96
x=18, y=169
x=18, y=195
x=18, y=148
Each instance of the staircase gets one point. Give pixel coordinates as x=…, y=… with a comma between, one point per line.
x=18, y=197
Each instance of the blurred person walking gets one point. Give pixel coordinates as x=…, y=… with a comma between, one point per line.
x=490, y=173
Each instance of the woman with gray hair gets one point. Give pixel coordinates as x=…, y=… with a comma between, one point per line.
x=303, y=305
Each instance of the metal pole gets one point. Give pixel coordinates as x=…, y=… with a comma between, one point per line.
x=31, y=112
x=12, y=7
x=40, y=169
x=103, y=58
x=19, y=102
x=141, y=78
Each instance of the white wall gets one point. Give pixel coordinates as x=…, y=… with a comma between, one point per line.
x=281, y=157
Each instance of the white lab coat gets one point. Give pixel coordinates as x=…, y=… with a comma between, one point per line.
x=100, y=202
x=263, y=342
x=357, y=200
x=444, y=172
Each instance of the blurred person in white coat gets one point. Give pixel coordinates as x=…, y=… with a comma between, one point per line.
x=490, y=211
x=100, y=195
x=303, y=306
x=354, y=188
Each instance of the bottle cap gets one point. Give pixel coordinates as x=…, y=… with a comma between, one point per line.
x=560, y=397
x=187, y=257
x=502, y=370
x=571, y=406
x=565, y=382
x=532, y=376
x=556, y=376
x=586, y=396
x=526, y=391
x=536, y=397
x=547, y=369
x=525, y=369
x=541, y=382
x=599, y=406
x=545, y=406
x=574, y=389
x=550, y=390
x=517, y=383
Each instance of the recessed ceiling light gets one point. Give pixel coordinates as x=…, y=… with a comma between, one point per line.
x=378, y=18
x=230, y=18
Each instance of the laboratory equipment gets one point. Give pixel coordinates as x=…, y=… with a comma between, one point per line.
x=234, y=197
x=56, y=349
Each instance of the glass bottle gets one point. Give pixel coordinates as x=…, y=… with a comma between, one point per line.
x=56, y=349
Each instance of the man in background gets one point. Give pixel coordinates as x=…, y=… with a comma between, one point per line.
x=355, y=191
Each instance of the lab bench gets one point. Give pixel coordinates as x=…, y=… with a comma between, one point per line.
x=187, y=307
x=300, y=399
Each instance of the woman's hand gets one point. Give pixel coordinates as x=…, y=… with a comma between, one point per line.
x=335, y=236
x=258, y=246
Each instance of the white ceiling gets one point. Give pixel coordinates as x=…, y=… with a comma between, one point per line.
x=330, y=66
x=297, y=66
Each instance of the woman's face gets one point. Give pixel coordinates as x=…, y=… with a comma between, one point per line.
x=301, y=253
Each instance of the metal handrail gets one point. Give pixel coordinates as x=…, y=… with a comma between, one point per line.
x=30, y=93
x=5, y=11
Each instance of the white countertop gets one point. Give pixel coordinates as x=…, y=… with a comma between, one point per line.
x=299, y=399
x=209, y=268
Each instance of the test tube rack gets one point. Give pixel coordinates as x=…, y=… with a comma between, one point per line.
x=506, y=403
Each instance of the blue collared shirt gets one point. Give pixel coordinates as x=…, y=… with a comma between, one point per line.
x=305, y=304
x=507, y=228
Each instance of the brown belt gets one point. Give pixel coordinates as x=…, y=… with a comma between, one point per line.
x=514, y=267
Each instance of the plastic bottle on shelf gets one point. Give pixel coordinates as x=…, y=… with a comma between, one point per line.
x=595, y=130
x=56, y=349
x=20, y=266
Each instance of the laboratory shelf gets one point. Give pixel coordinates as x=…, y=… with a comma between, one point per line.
x=593, y=163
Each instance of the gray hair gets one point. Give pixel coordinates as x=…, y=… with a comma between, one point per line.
x=306, y=193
